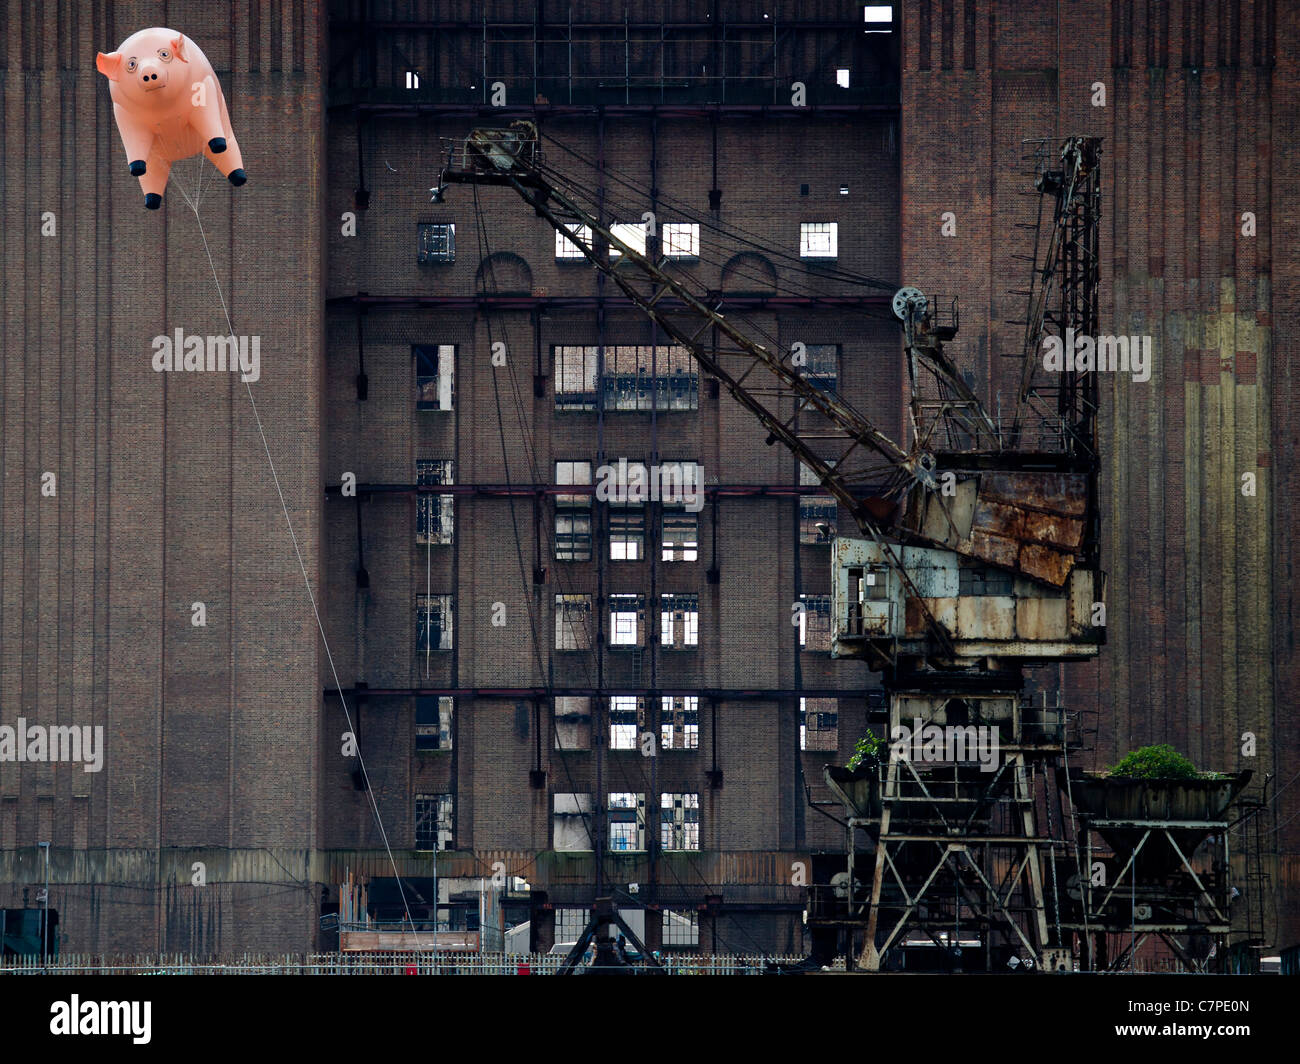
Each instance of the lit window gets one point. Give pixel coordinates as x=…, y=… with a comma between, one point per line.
x=572, y=622
x=435, y=366
x=573, y=514
x=626, y=721
x=878, y=13
x=633, y=235
x=626, y=821
x=433, y=722
x=679, y=722
x=566, y=249
x=434, y=514
x=437, y=242
x=572, y=723
x=679, y=821
x=571, y=830
x=679, y=621
x=680, y=540
x=681, y=240
x=433, y=821
x=842, y=77
x=819, y=240
x=626, y=533
x=433, y=623
x=819, y=724
x=815, y=622
x=815, y=510
x=626, y=620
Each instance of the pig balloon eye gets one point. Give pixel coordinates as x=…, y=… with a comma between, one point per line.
x=164, y=55
x=130, y=63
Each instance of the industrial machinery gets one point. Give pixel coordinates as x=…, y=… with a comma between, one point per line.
x=977, y=557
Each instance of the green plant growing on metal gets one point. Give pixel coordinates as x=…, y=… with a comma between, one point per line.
x=867, y=750
x=1159, y=762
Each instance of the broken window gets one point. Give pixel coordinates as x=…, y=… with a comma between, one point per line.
x=434, y=375
x=819, y=724
x=433, y=722
x=627, y=620
x=679, y=722
x=626, y=821
x=565, y=249
x=437, y=242
x=434, y=514
x=819, y=240
x=681, y=240
x=679, y=621
x=815, y=622
x=982, y=580
x=680, y=536
x=626, y=721
x=573, y=514
x=433, y=623
x=649, y=376
x=632, y=234
x=680, y=928
x=626, y=533
x=679, y=821
x=815, y=510
x=575, y=377
x=822, y=368
x=571, y=826
x=572, y=722
x=572, y=622
x=433, y=821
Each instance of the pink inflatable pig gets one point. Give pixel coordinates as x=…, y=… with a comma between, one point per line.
x=169, y=106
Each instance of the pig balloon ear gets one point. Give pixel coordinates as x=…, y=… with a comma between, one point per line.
x=109, y=65
x=178, y=48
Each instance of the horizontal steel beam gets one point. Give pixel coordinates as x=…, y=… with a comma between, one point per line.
x=728, y=694
x=531, y=302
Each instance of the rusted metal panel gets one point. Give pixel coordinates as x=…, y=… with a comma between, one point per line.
x=998, y=550
x=1046, y=564
x=986, y=617
x=1042, y=618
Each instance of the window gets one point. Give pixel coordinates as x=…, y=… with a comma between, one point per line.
x=433, y=722
x=627, y=620
x=878, y=13
x=822, y=368
x=626, y=533
x=573, y=514
x=815, y=622
x=434, y=514
x=565, y=249
x=633, y=235
x=571, y=826
x=570, y=923
x=633, y=378
x=680, y=538
x=815, y=510
x=983, y=580
x=434, y=374
x=680, y=928
x=679, y=723
x=681, y=240
x=572, y=622
x=679, y=821
x=437, y=242
x=819, y=724
x=433, y=821
x=626, y=821
x=626, y=721
x=842, y=77
x=679, y=621
x=433, y=623
x=572, y=723
x=819, y=240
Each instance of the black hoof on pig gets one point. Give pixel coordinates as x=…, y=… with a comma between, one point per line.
x=153, y=201
x=238, y=177
x=137, y=168
x=217, y=145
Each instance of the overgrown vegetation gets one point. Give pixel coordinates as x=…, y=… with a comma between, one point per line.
x=1159, y=762
x=867, y=751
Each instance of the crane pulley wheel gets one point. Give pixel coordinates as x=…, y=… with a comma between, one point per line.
x=909, y=296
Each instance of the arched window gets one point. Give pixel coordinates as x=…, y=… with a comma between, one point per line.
x=503, y=273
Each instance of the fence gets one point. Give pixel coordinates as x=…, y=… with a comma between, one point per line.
x=377, y=963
